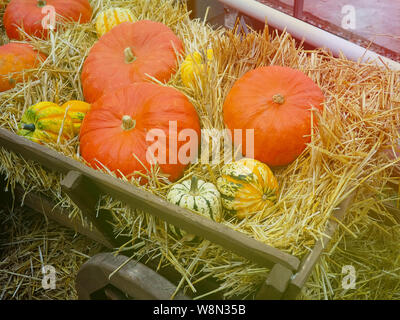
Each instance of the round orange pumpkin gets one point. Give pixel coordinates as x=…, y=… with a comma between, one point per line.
x=15, y=58
x=28, y=14
x=277, y=103
x=127, y=54
x=120, y=131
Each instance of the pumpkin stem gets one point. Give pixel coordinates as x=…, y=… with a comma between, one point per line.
x=265, y=197
x=278, y=98
x=29, y=127
x=129, y=56
x=41, y=3
x=194, y=185
x=128, y=123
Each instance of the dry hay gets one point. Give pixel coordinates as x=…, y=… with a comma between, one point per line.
x=27, y=239
x=27, y=243
x=374, y=255
x=359, y=118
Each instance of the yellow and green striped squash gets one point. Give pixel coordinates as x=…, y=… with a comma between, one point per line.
x=194, y=65
x=247, y=186
x=44, y=122
x=77, y=111
x=196, y=195
x=108, y=19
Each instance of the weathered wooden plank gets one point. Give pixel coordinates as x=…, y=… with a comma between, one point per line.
x=85, y=195
x=276, y=284
x=33, y=151
x=220, y=234
x=134, y=279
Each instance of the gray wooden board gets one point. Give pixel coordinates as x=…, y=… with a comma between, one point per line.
x=276, y=284
x=86, y=196
x=129, y=276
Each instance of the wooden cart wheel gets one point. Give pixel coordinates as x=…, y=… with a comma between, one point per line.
x=132, y=281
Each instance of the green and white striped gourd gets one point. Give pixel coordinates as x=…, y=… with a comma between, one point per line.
x=247, y=186
x=196, y=195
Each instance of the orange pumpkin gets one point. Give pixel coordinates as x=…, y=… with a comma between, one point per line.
x=28, y=14
x=15, y=58
x=127, y=54
x=122, y=127
x=276, y=103
x=77, y=111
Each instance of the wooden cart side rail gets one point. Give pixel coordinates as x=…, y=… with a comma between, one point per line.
x=136, y=198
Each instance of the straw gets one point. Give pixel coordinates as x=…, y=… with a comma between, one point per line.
x=360, y=117
x=27, y=243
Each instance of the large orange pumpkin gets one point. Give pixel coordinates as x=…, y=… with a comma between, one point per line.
x=127, y=54
x=28, y=14
x=15, y=58
x=276, y=103
x=117, y=131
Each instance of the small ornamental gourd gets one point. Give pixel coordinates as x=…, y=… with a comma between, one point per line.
x=194, y=65
x=247, y=186
x=108, y=19
x=15, y=59
x=77, y=111
x=196, y=195
x=46, y=122
x=29, y=15
x=281, y=105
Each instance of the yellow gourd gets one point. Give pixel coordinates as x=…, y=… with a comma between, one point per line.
x=46, y=122
x=247, y=186
x=108, y=19
x=77, y=111
x=194, y=65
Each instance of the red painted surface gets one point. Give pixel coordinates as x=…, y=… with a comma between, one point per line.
x=376, y=20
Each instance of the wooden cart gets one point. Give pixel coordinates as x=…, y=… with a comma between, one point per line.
x=85, y=185
x=133, y=279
